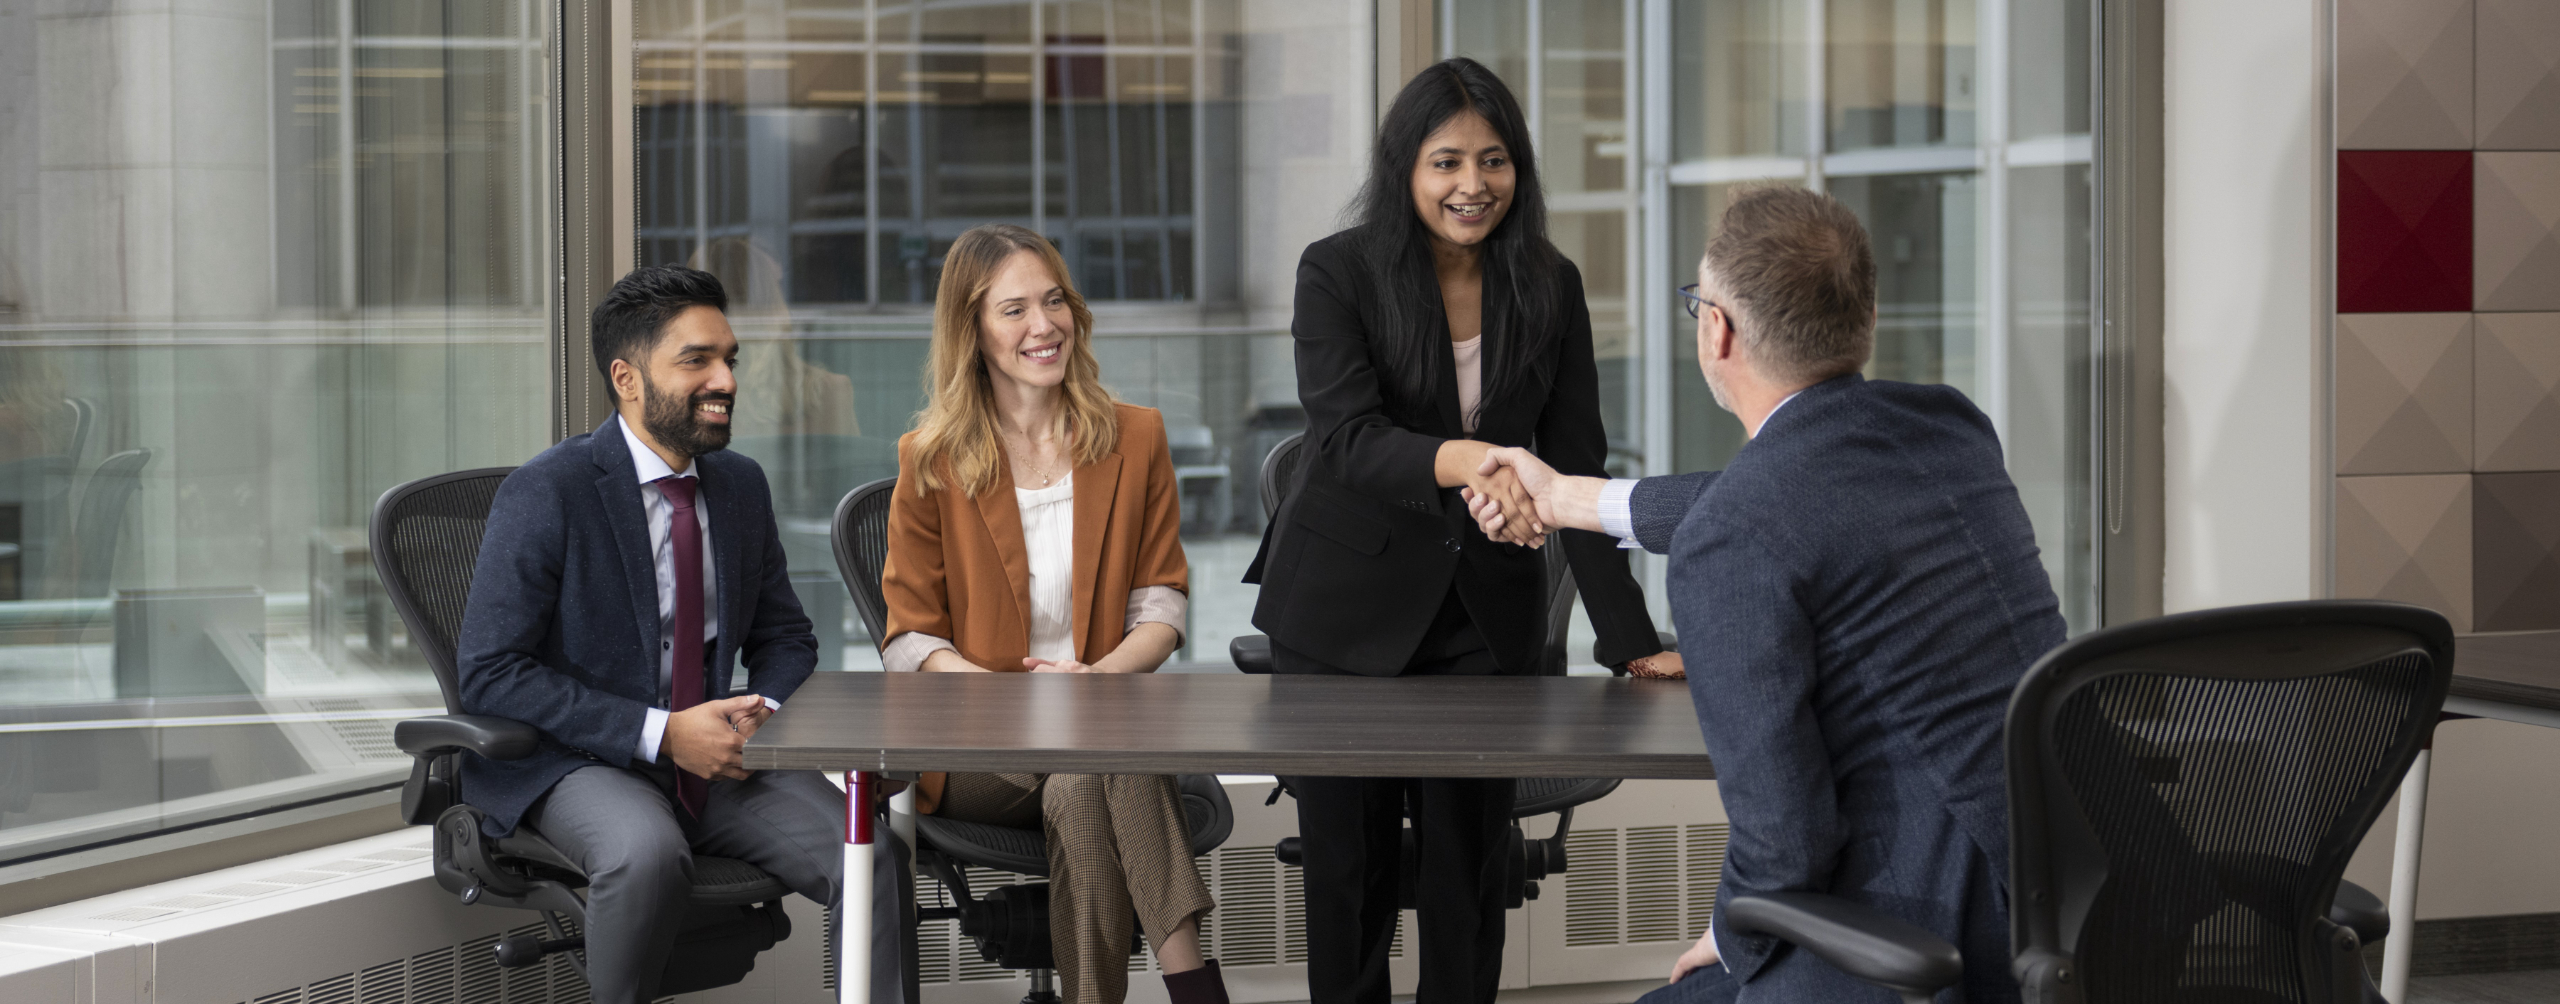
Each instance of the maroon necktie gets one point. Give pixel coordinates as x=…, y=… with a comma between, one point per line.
x=684, y=533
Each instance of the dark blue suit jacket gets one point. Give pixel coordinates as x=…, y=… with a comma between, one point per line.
x=562, y=626
x=1857, y=593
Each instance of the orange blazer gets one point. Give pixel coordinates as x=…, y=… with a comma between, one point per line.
x=957, y=567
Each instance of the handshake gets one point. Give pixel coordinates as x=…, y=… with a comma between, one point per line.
x=1516, y=498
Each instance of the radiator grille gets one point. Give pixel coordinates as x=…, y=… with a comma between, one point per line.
x=467, y=973
x=1641, y=885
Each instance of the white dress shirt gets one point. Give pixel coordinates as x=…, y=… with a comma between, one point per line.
x=662, y=553
x=1617, y=519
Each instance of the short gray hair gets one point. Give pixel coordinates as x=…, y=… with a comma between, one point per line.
x=1799, y=270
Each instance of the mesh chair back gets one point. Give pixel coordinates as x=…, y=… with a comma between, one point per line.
x=860, y=533
x=1280, y=473
x=2185, y=793
x=426, y=542
x=1559, y=592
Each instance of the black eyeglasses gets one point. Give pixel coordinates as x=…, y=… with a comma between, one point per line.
x=1690, y=299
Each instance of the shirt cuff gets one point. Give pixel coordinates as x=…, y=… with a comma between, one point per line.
x=772, y=705
x=1158, y=604
x=906, y=653
x=652, y=732
x=1617, y=518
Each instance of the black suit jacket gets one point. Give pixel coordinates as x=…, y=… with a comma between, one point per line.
x=561, y=630
x=1857, y=595
x=1364, y=548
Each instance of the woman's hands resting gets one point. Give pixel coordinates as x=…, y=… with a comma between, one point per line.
x=1142, y=651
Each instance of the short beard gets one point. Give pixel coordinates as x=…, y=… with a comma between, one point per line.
x=671, y=420
x=1714, y=390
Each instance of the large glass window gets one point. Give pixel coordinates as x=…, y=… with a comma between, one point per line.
x=1959, y=131
x=821, y=156
x=257, y=264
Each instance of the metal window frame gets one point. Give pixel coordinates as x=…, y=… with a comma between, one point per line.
x=2127, y=477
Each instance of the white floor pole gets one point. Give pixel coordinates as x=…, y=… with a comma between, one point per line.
x=853, y=942
x=2400, y=945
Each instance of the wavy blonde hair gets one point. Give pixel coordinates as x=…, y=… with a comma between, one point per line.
x=958, y=423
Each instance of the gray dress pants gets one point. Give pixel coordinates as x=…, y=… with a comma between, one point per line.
x=623, y=827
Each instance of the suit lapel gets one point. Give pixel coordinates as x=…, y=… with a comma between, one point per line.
x=1094, y=488
x=619, y=490
x=1003, y=517
x=728, y=555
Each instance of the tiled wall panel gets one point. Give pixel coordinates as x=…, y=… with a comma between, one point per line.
x=2404, y=393
x=2410, y=88
x=2516, y=382
x=2407, y=538
x=2515, y=527
x=2517, y=98
x=2404, y=230
x=2516, y=231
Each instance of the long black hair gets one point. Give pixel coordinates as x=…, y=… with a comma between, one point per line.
x=1523, y=299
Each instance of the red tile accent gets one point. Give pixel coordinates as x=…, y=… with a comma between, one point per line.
x=2404, y=230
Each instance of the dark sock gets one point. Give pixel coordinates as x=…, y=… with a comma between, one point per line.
x=1199, y=986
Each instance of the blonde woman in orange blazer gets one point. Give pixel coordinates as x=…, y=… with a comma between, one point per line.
x=1034, y=529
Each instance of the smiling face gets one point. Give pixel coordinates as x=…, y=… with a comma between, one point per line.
x=1024, y=324
x=1462, y=182
x=684, y=394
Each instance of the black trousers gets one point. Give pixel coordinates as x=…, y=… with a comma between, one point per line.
x=1351, y=841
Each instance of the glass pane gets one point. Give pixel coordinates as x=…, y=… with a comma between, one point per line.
x=1582, y=138
x=1900, y=73
x=236, y=305
x=1495, y=33
x=1922, y=226
x=1744, y=60
x=962, y=22
x=1597, y=242
x=2048, y=429
x=2049, y=80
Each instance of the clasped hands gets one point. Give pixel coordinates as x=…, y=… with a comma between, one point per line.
x=709, y=739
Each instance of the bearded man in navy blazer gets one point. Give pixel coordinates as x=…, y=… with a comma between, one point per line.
x=623, y=577
x=1857, y=593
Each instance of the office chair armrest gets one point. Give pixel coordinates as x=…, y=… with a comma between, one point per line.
x=2360, y=911
x=1252, y=652
x=1858, y=940
x=488, y=735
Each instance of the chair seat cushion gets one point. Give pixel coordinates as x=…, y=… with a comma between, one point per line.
x=985, y=845
x=1536, y=796
x=731, y=882
x=1205, y=815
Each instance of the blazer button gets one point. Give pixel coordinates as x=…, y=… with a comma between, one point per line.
x=1451, y=544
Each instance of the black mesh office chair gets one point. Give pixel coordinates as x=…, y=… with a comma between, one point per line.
x=1532, y=860
x=2184, y=793
x=1010, y=924
x=426, y=543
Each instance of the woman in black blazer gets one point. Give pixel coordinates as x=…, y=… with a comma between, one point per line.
x=1442, y=325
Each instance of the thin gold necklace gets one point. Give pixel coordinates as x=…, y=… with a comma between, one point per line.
x=1043, y=470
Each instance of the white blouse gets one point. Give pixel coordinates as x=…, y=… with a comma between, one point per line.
x=1049, y=540
x=1470, y=357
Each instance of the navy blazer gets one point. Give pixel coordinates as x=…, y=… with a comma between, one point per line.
x=1857, y=593
x=561, y=630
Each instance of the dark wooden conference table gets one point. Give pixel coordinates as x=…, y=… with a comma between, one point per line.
x=1212, y=723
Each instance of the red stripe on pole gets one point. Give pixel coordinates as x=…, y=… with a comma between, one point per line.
x=857, y=806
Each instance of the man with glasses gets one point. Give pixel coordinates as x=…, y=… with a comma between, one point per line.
x=1857, y=593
